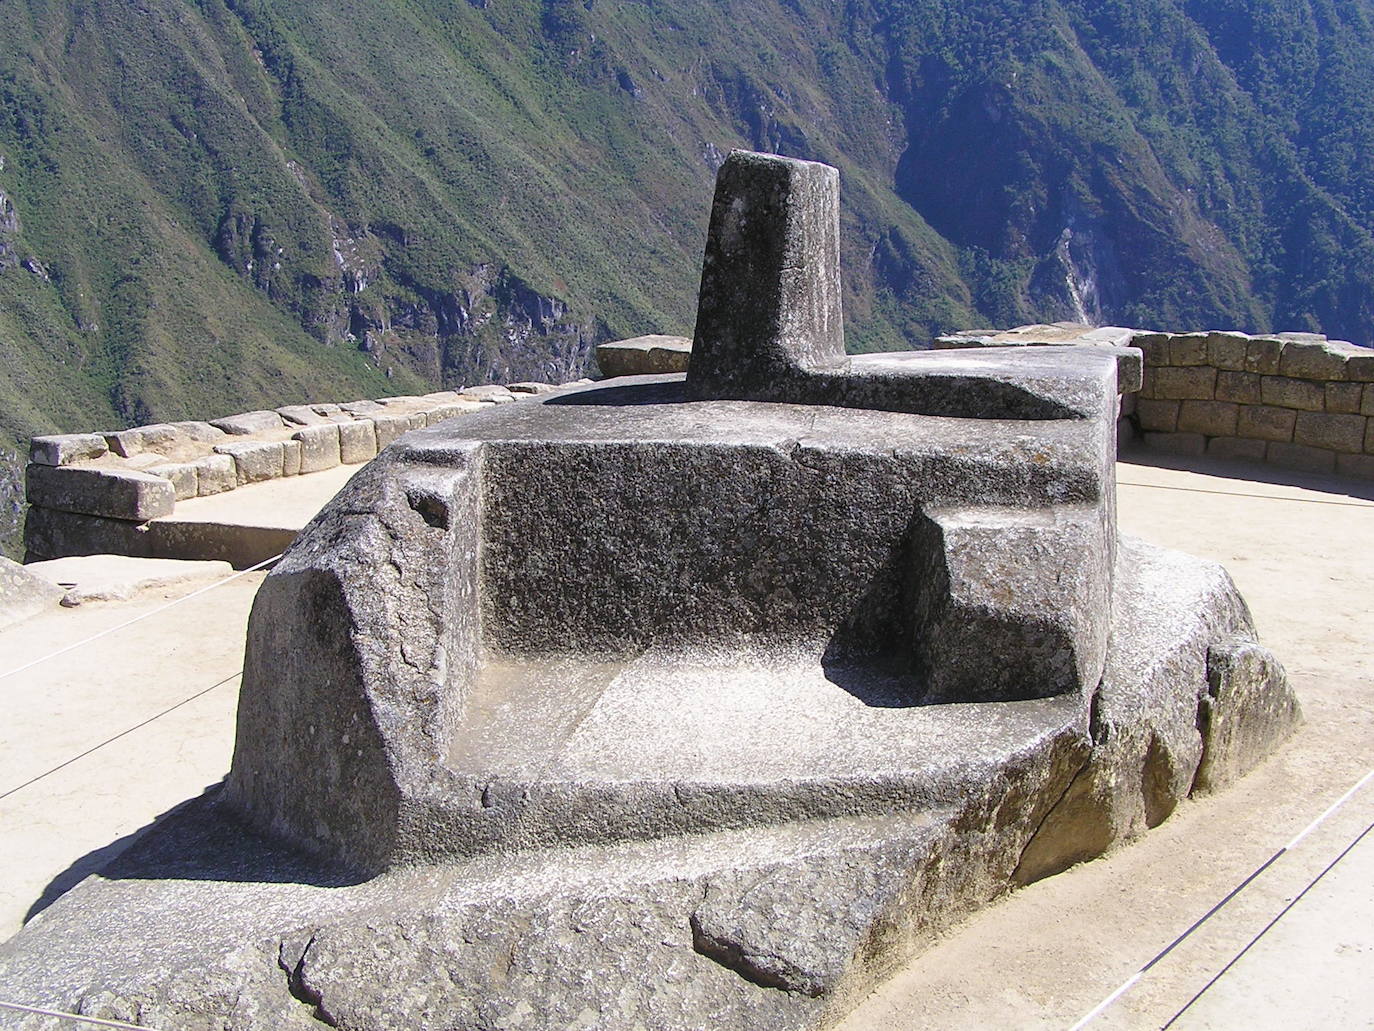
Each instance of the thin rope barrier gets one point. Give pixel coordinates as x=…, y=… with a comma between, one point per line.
x=138, y=619
x=1245, y=494
x=60, y=1015
x=1135, y=978
x=1269, y=926
x=122, y=733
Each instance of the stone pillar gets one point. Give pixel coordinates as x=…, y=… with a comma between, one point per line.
x=770, y=280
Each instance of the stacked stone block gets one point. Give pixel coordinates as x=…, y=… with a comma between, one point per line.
x=1295, y=400
x=139, y=474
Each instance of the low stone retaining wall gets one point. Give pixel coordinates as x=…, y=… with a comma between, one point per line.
x=129, y=477
x=1293, y=400
x=1296, y=400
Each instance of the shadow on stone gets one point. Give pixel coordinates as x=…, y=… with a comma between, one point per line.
x=640, y=391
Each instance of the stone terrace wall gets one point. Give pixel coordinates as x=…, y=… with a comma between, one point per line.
x=79, y=484
x=1294, y=400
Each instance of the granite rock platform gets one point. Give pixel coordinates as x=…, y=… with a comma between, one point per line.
x=686, y=701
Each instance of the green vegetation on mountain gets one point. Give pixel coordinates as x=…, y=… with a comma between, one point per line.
x=207, y=205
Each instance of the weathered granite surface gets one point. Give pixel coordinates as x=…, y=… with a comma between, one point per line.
x=114, y=493
x=66, y=448
x=23, y=593
x=650, y=355
x=777, y=926
x=679, y=703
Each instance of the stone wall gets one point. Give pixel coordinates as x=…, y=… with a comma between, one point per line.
x=1295, y=400
x=82, y=488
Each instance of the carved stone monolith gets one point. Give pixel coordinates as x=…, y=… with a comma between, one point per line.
x=669, y=704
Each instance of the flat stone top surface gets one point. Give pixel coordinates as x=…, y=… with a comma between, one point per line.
x=655, y=409
x=116, y=577
x=287, y=503
x=1067, y=333
x=672, y=343
x=756, y=719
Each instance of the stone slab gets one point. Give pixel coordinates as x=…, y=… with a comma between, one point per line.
x=248, y=423
x=388, y=428
x=66, y=448
x=292, y=455
x=649, y=355
x=1059, y=334
x=99, y=578
x=255, y=461
x=1157, y=416
x=215, y=474
x=184, y=476
x=1286, y=392
x=360, y=408
x=302, y=415
x=1212, y=418
x=1227, y=350
x=319, y=447
x=113, y=493
x=488, y=392
x=1330, y=430
x=201, y=432
x=357, y=441
x=1188, y=349
x=160, y=438
x=1194, y=383
x=1266, y=422
x=1312, y=361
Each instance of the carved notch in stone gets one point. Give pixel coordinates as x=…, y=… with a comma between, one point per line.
x=770, y=301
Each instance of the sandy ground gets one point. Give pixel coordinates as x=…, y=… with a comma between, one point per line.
x=97, y=743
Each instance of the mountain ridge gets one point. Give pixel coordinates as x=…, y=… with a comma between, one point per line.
x=221, y=204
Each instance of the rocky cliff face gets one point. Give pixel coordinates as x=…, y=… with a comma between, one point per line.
x=9, y=229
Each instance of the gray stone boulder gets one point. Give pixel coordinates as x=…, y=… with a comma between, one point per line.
x=320, y=447
x=248, y=423
x=357, y=441
x=24, y=593
x=683, y=702
x=255, y=460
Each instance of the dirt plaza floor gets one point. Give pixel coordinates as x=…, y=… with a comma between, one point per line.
x=99, y=741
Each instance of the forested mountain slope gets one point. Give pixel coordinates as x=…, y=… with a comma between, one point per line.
x=213, y=204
